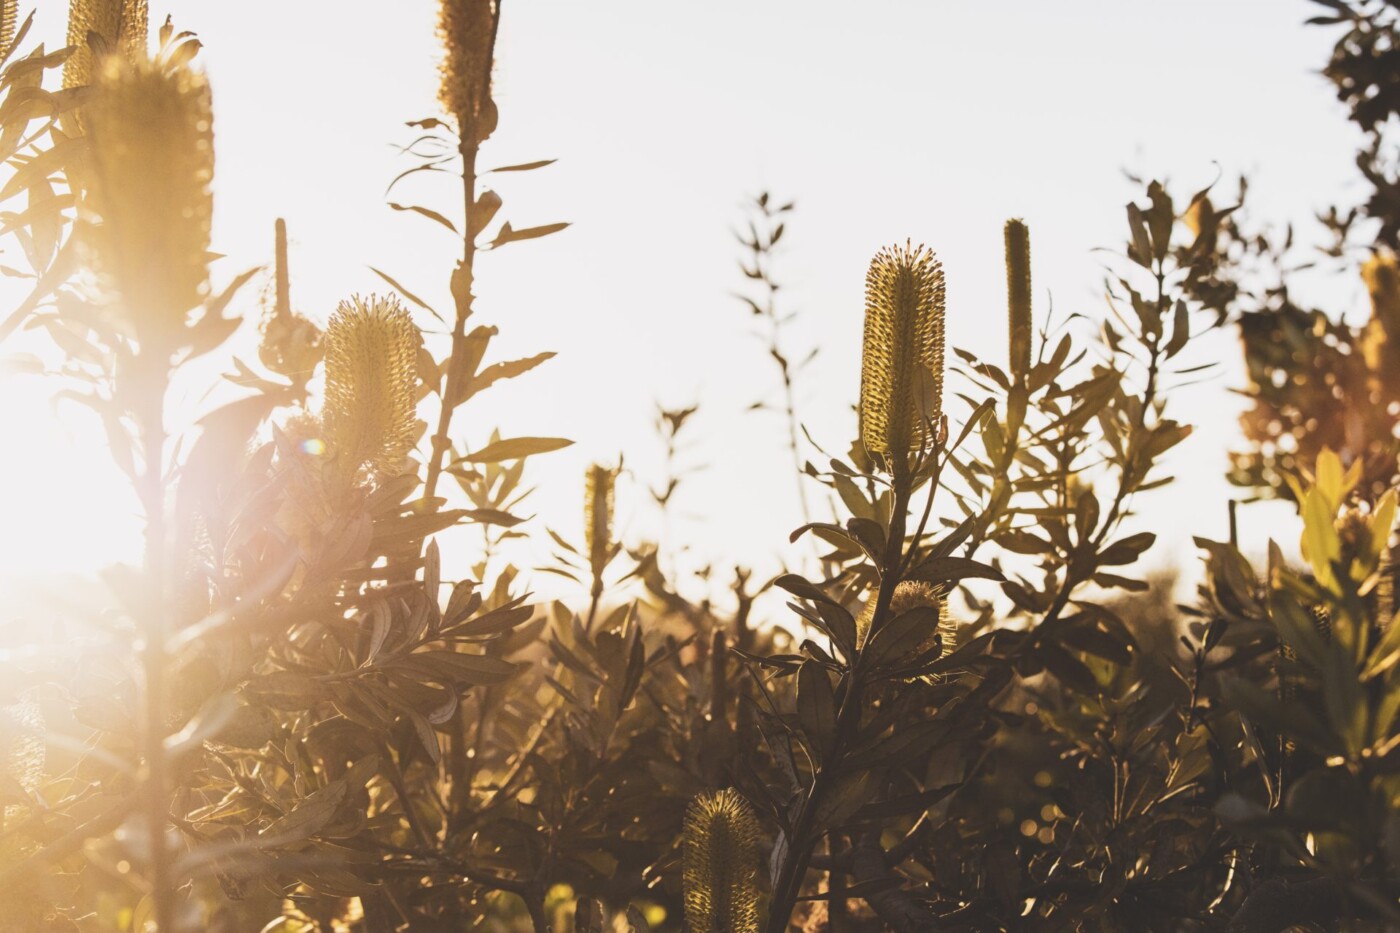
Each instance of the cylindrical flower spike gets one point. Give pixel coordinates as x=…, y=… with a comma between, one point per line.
x=9, y=22
x=371, y=348
x=152, y=163
x=721, y=864
x=598, y=517
x=901, y=376
x=1018, y=295
x=468, y=32
x=912, y=594
x=121, y=25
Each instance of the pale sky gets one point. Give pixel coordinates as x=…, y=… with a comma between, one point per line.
x=884, y=120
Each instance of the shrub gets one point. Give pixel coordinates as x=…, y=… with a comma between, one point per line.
x=979, y=714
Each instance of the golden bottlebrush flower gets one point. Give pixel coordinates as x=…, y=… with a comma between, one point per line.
x=468, y=32
x=152, y=162
x=122, y=26
x=721, y=864
x=911, y=594
x=1381, y=274
x=9, y=22
x=371, y=348
x=901, y=375
x=1018, y=295
x=598, y=515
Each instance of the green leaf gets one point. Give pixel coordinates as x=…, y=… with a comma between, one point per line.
x=1126, y=550
x=522, y=167
x=906, y=805
x=493, y=517
x=506, y=370
x=1181, y=330
x=308, y=817
x=952, y=569
x=425, y=212
x=1289, y=718
x=849, y=794
x=394, y=284
x=514, y=449
x=816, y=706
x=1068, y=669
x=507, y=234
x=899, y=639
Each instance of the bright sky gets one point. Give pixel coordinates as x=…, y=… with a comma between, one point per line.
x=884, y=120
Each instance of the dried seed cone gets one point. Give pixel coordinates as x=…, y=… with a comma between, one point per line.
x=598, y=515
x=371, y=348
x=290, y=345
x=901, y=376
x=122, y=25
x=1018, y=295
x=152, y=161
x=721, y=864
x=468, y=32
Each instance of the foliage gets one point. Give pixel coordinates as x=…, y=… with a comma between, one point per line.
x=977, y=713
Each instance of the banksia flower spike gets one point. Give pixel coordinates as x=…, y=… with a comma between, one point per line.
x=912, y=594
x=371, y=347
x=721, y=864
x=1018, y=295
x=468, y=31
x=598, y=517
x=152, y=155
x=901, y=376
x=9, y=22
x=121, y=25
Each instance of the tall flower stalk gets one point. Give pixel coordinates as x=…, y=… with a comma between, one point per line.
x=901, y=406
x=468, y=30
x=150, y=209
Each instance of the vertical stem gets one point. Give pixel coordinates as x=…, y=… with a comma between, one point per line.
x=790, y=411
x=787, y=887
x=595, y=596
x=155, y=802
x=463, y=280
x=462, y=283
